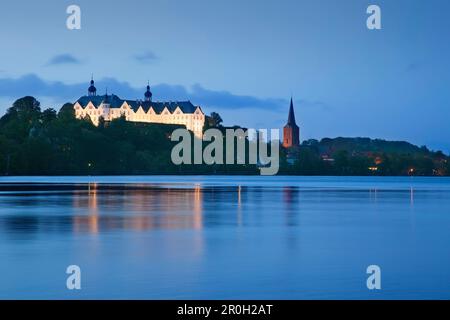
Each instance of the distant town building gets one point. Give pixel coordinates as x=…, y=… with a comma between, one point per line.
x=291, y=132
x=112, y=107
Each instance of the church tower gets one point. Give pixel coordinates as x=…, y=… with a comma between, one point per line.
x=291, y=132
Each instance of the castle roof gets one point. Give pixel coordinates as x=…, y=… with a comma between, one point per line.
x=116, y=102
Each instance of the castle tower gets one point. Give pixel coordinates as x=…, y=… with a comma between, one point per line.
x=291, y=132
x=106, y=101
x=92, y=91
x=148, y=94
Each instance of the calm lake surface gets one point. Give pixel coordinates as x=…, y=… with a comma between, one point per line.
x=224, y=237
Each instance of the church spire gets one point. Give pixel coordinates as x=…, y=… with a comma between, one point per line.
x=291, y=117
x=291, y=132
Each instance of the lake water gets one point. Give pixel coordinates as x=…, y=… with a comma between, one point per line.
x=224, y=237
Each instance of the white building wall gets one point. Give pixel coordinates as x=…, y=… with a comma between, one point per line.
x=193, y=122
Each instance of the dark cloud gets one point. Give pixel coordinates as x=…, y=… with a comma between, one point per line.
x=33, y=85
x=63, y=59
x=413, y=66
x=146, y=57
x=230, y=100
x=312, y=104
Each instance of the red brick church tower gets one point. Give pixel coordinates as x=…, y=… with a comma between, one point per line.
x=291, y=132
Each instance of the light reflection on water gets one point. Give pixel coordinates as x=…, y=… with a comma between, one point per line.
x=233, y=237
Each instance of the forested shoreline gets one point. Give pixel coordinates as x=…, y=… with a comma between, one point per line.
x=47, y=142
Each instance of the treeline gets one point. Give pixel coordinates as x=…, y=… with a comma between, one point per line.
x=365, y=156
x=46, y=142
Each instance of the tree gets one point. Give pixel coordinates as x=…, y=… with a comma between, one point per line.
x=341, y=160
x=25, y=107
x=19, y=119
x=66, y=112
x=215, y=120
x=311, y=142
x=48, y=115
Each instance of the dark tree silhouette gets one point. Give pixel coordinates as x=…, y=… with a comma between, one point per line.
x=215, y=120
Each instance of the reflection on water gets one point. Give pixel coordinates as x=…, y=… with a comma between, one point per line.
x=145, y=208
x=102, y=208
x=95, y=208
x=226, y=238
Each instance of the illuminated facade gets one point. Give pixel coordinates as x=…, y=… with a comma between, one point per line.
x=111, y=107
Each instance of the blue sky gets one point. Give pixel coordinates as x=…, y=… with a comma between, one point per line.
x=244, y=59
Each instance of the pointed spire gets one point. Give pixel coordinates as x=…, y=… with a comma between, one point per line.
x=291, y=117
x=291, y=132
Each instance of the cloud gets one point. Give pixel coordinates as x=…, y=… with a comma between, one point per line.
x=63, y=59
x=35, y=86
x=413, y=66
x=230, y=100
x=146, y=57
x=314, y=104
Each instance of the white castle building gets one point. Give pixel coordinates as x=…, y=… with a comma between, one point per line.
x=111, y=107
